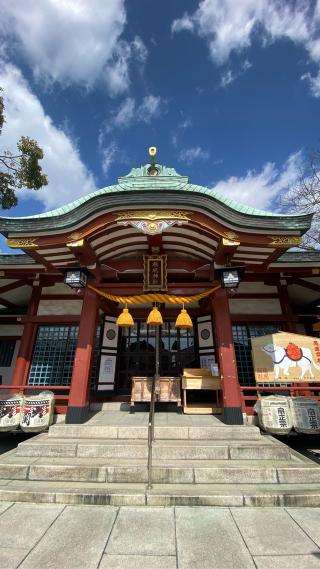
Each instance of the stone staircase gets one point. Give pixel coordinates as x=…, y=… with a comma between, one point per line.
x=196, y=461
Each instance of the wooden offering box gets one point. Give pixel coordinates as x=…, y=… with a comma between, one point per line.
x=201, y=379
x=167, y=390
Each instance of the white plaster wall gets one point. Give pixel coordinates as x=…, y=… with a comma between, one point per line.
x=255, y=306
x=59, y=307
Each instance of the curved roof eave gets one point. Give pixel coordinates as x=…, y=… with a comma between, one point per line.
x=72, y=213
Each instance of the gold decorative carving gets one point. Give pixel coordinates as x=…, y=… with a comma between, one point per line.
x=78, y=243
x=283, y=241
x=231, y=236
x=154, y=215
x=75, y=236
x=230, y=242
x=23, y=243
x=152, y=227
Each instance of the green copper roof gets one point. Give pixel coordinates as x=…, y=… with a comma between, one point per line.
x=299, y=257
x=170, y=189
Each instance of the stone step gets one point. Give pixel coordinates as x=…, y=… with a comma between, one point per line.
x=110, y=406
x=98, y=431
x=198, y=450
x=228, y=495
x=187, y=472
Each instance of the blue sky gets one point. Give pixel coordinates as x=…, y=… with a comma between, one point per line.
x=228, y=91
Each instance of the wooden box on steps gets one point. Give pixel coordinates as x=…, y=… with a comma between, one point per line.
x=167, y=391
x=201, y=379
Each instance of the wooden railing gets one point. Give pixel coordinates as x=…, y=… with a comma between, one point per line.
x=249, y=399
x=60, y=400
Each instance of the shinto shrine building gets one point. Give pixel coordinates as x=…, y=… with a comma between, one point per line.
x=67, y=340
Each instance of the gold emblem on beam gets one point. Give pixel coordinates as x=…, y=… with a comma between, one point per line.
x=23, y=243
x=153, y=215
x=231, y=236
x=75, y=236
x=284, y=241
x=230, y=242
x=78, y=243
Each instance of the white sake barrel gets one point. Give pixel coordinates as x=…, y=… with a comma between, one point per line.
x=305, y=415
x=37, y=413
x=10, y=412
x=275, y=415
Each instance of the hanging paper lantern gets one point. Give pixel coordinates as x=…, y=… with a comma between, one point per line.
x=154, y=317
x=184, y=320
x=125, y=319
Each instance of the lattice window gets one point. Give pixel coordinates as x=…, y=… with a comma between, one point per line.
x=6, y=352
x=242, y=344
x=53, y=355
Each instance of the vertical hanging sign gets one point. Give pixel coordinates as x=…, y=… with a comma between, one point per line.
x=155, y=272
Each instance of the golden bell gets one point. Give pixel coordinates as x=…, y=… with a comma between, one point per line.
x=125, y=319
x=155, y=317
x=184, y=320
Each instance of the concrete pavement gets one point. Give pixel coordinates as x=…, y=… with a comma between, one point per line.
x=54, y=536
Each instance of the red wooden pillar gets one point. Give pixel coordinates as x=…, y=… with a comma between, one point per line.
x=286, y=308
x=232, y=411
x=21, y=370
x=78, y=405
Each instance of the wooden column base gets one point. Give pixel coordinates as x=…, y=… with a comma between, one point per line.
x=77, y=415
x=232, y=416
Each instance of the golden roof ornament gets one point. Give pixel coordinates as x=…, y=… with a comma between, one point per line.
x=153, y=170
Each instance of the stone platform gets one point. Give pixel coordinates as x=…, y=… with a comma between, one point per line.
x=197, y=460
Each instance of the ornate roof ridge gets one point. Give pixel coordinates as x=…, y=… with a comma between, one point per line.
x=168, y=180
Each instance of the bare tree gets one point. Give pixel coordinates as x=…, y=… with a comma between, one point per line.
x=304, y=197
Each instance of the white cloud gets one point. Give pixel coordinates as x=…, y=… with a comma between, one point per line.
x=184, y=23
x=139, y=49
x=184, y=124
x=151, y=107
x=228, y=76
x=125, y=114
x=68, y=177
x=108, y=156
x=189, y=155
x=261, y=189
x=230, y=26
x=72, y=41
x=314, y=83
x=246, y=65
x=129, y=113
